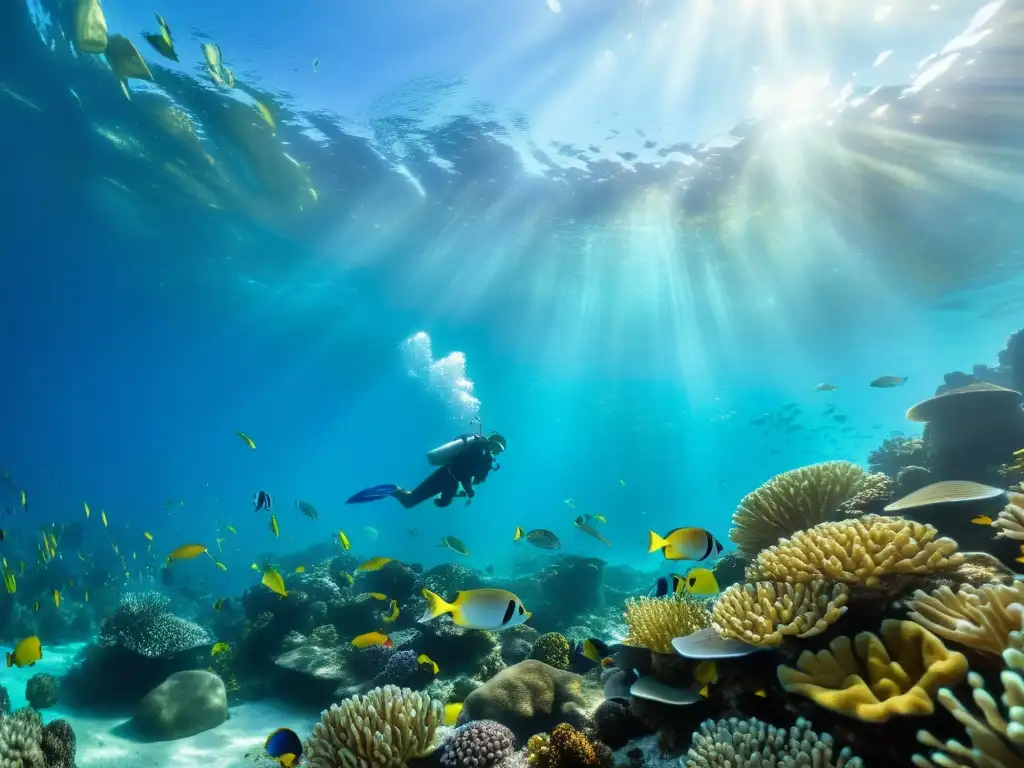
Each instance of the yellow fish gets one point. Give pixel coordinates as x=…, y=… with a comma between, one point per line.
x=103, y=517
x=706, y=673
x=373, y=564
x=685, y=544
x=982, y=520
x=424, y=659
x=87, y=510
x=232, y=529
x=248, y=440
x=700, y=582
x=267, y=117
x=219, y=547
x=599, y=517
x=187, y=552
x=273, y=526
x=26, y=653
x=254, y=567
x=300, y=569
x=392, y=615
x=761, y=692
x=219, y=648
x=377, y=595
x=148, y=535
x=367, y=639
x=451, y=713
x=343, y=540
x=220, y=565
x=24, y=499
x=272, y=580
x=56, y=597
x=10, y=582
x=87, y=596
x=347, y=577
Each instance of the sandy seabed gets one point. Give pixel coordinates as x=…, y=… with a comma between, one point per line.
x=99, y=746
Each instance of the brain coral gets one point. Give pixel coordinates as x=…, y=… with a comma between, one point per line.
x=653, y=622
x=479, y=744
x=856, y=551
x=764, y=612
x=793, y=501
x=735, y=743
x=874, y=679
x=551, y=648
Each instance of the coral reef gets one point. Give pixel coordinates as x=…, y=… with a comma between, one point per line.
x=25, y=743
x=980, y=618
x=653, y=622
x=616, y=725
x=143, y=624
x=480, y=744
x=876, y=491
x=568, y=748
x=874, y=679
x=552, y=649
x=792, y=501
x=896, y=454
x=1010, y=522
x=383, y=729
x=856, y=551
x=762, y=613
x=42, y=690
x=736, y=743
x=59, y=744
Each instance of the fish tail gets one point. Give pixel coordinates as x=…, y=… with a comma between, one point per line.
x=655, y=542
x=904, y=380
x=519, y=534
x=436, y=606
x=10, y=660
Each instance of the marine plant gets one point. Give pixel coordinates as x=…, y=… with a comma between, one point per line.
x=978, y=617
x=653, y=622
x=856, y=551
x=567, y=748
x=793, y=501
x=143, y=624
x=551, y=648
x=383, y=729
x=874, y=679
x=480, y=744
x=736, y=743
x=764, y=612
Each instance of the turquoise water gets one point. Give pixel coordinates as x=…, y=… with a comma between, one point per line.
x=617, y=233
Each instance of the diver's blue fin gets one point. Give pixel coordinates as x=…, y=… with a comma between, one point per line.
x=376, y=493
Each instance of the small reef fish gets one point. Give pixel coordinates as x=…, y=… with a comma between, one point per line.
x=599, y=517
x=493, y=609
x=367, y=639
x=248, y=440
x=148, y=535
x=219, y=648
x=454, y=544
x=424, y=659
x=87, y=510
x=684, y=544
x=982, y=520
x=377, y=595
x=886, y=382
x=307, y=509
x=700, y=582
x=622, y=482
x=823, y=387
x=591, y=649
x=218, y=605
x=265, y=114
x=103, y=517
x=26, y=653
x=272, y=580
x=392, y=615
x=347, y=577
x=451, y=713
x=373, y=564
x=343, y=540
x=582, y=524
x=538, y=537
x=218, y=563
x=162, y=42
x=273, y=526
x=24, y=500
x=232, y=528
x=262, y=500
x=187, y=552
x=300, y=569
x=284, y=746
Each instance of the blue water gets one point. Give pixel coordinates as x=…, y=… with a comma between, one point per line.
x=547, y=194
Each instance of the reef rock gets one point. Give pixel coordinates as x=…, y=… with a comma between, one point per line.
x=183, y=705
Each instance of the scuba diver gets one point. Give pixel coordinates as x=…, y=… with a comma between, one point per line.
x=465, y=461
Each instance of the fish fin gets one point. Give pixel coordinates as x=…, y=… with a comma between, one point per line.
x=436, y=606
x=655, y=542
x=10, y=660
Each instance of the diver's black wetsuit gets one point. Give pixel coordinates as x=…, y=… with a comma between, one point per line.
x=467, y=469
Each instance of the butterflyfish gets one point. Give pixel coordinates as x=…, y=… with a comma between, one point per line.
x=685, y=544
x=377, y=595
x=493, y=609
x=373, y=564
x=219, y=648
x=700, y=582
x=248, y=440
x=343, y=540
x=982, y=520
x=367, y=639
x=284, y=746
x=451, y=713
x=262, y=500
x=272, y=580
x=591, y=649
x=103, y=517
x=187, y=552
x=26, y=653
x=424, y=659
x=300, y=569
x=454, y=544
x=392, y=615
x=273, y=526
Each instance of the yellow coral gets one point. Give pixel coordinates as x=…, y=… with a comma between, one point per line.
x=653, y=622
x=1010, y=522
x=980, y=618
x=873, y=679
x=793, y=501
x=762, y=613
x=856, y=551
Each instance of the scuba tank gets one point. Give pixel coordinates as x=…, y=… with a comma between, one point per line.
x=443, y=454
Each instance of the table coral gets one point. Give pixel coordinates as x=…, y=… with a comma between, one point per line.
x=653, y=622
x=764, y=612
x=873, y=678
x=980, y=618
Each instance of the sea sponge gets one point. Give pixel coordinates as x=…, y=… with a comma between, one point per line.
x=479, y=744
x=143, y=624
x=792, y=501
x=382, y=729
x=653, y=622
x=551, y=648
x=21, y=737
x=980, y=618
x=874, y=679
x=856, y=551
x=41, y=691
x=1010, y=522
x=567, y=748
x=735, y=743
x=762, y=613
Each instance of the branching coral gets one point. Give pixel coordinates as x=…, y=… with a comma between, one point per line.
x=567, y=748
x=382, y=729
x=762, y=613
x=874, y=679
x=142, y=623
x=652, y=622
x=735, y=743
x=551, y=648
x=896, y=454
x=856, y=551
x=1010, y=522
x=793, y=501
x=980, y=618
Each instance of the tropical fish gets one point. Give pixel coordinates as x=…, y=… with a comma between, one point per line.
x=591, y=649
x=267, y=117
x=284, y=746
x=823, y=387
x=219, y=543
x=982, y=520
x=377, y=595
x=539, y=537
x=454, y=544
x=599, y=517
x=493, y=609
x=685, y=544
x=347, y=577
x=148, y=535
x=231, y=528
x=700, y=582
x=87, y=510
x=761, y=693
x=218, y=563
x=26, y=653
x=103, y=517
x=35, y=606
x=56, y=597
x=273, y=526
x=343, y=540
x=254, y=567
x=885, y=382
x=307, y=509
x=367, y=639
x=300, y=569
x=373, y=564
x=622, y=482
x=451, y=713
x=272, y=580
x=392, y=615
x=219, y=648
x=219, y=603
x=163, y=43
x=187, y=552
x=87, y=596
x=262, y=500
x=24, y=500
x=582, y=524
x=424, y=659
x=248, y=440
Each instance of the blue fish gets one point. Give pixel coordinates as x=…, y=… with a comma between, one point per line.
x=285, y=747
x=262, y=500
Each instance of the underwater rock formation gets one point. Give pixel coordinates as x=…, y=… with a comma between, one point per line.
x=183, y=705
x=42, y=691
